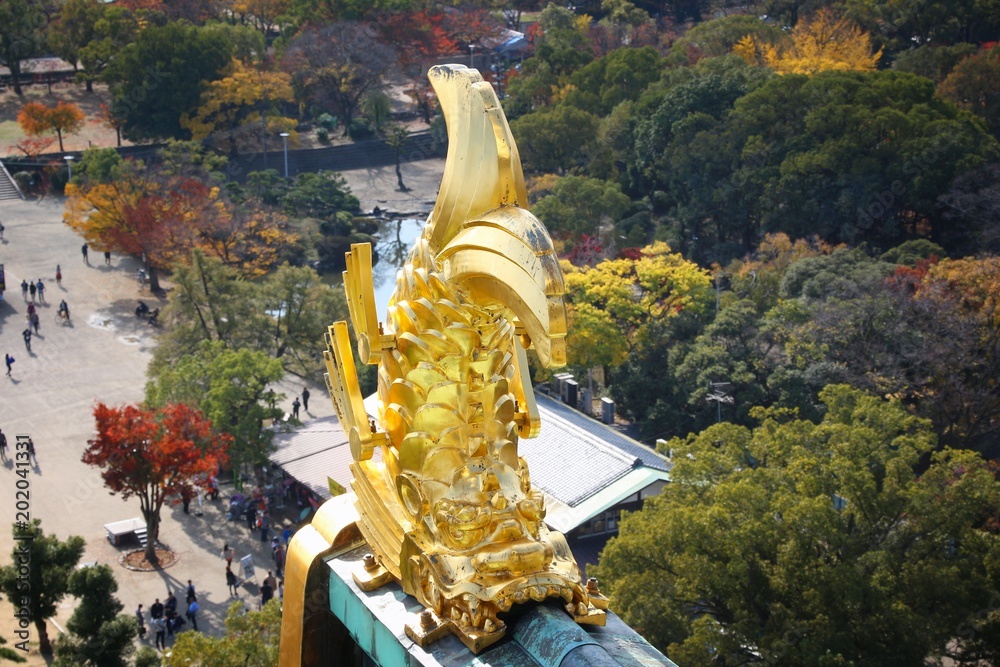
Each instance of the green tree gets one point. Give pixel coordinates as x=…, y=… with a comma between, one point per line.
x=554, y=139
x=580, y=205
x=301, y=308
x=283, y=316
x=99, y=634
x=717, y=37
x=161, y=75
x=810, y=155
x=251, y=639
x=22, y=34
x=934, y=62
x=606, y=82
x=231, y=388
x=320, y=195
x=115, y=28
x=802, y=543
x=49, y=563
x=98, y=165
x=898, y=26
x=210, y=302
x=73, y=29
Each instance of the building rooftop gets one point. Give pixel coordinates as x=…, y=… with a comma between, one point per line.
x=582, y=466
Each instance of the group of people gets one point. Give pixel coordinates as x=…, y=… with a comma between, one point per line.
x=37, y=288
x=165, y=620
x=304, y=404
x=34, y=292
x=271, y=585
x=86, y=259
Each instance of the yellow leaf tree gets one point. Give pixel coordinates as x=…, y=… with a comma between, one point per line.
x=610, y=303
x=247, y=237
x=261, y=14
x=236, y=110
x=824, y=42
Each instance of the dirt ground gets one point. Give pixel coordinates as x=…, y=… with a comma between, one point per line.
x=8, y=626
x=96, y=134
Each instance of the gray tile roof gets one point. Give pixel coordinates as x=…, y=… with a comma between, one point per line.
x=575, y=457
x=315, y=451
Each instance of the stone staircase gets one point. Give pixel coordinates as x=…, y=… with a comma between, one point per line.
x=8, y=188
x=141, y=534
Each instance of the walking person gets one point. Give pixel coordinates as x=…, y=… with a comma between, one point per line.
x=228, y=554
x=295, y=408
x=305, y=398
x=264, y=526
x=156, y=610
x=26, y=334
x=107, y=258
x=41, y=291
x=190, y=596
x=3, y=446
x=35, y=322
x=192, y=614
x=84, y=251
x=266, y=593
x=142, y=622
x=231, y=582
x=158, y=624
x=1, y=231
x=58, y=275
x=251, y=515
x=32, y=288
x=279, y=559
x=31, y=450
x=24, y=289
x=9, y=361
x=170, y=606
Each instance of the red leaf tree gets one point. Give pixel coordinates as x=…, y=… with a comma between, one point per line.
x=155, y=455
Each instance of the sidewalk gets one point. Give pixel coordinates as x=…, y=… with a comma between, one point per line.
x=51, y=394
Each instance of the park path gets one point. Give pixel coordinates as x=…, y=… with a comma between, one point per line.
x=103, y=357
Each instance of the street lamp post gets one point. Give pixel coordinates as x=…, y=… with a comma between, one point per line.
x=69, y=166
x=284, y=141
x=472, y=55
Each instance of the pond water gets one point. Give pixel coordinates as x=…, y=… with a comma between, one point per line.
x=393, y=243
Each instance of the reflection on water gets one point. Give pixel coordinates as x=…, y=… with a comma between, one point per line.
x=395, y=238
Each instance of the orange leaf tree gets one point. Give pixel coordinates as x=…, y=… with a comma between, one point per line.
x=140, y=214
x=154, y=455
x=37, y=119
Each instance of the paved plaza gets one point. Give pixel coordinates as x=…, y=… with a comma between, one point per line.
x=103, y=356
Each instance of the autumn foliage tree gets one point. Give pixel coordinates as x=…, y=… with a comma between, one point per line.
x=612, y=302
x=154, y=455
x=36, y=119
x=233, y=108
x=824, y=42
x=139, y=215
x=164, y=215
